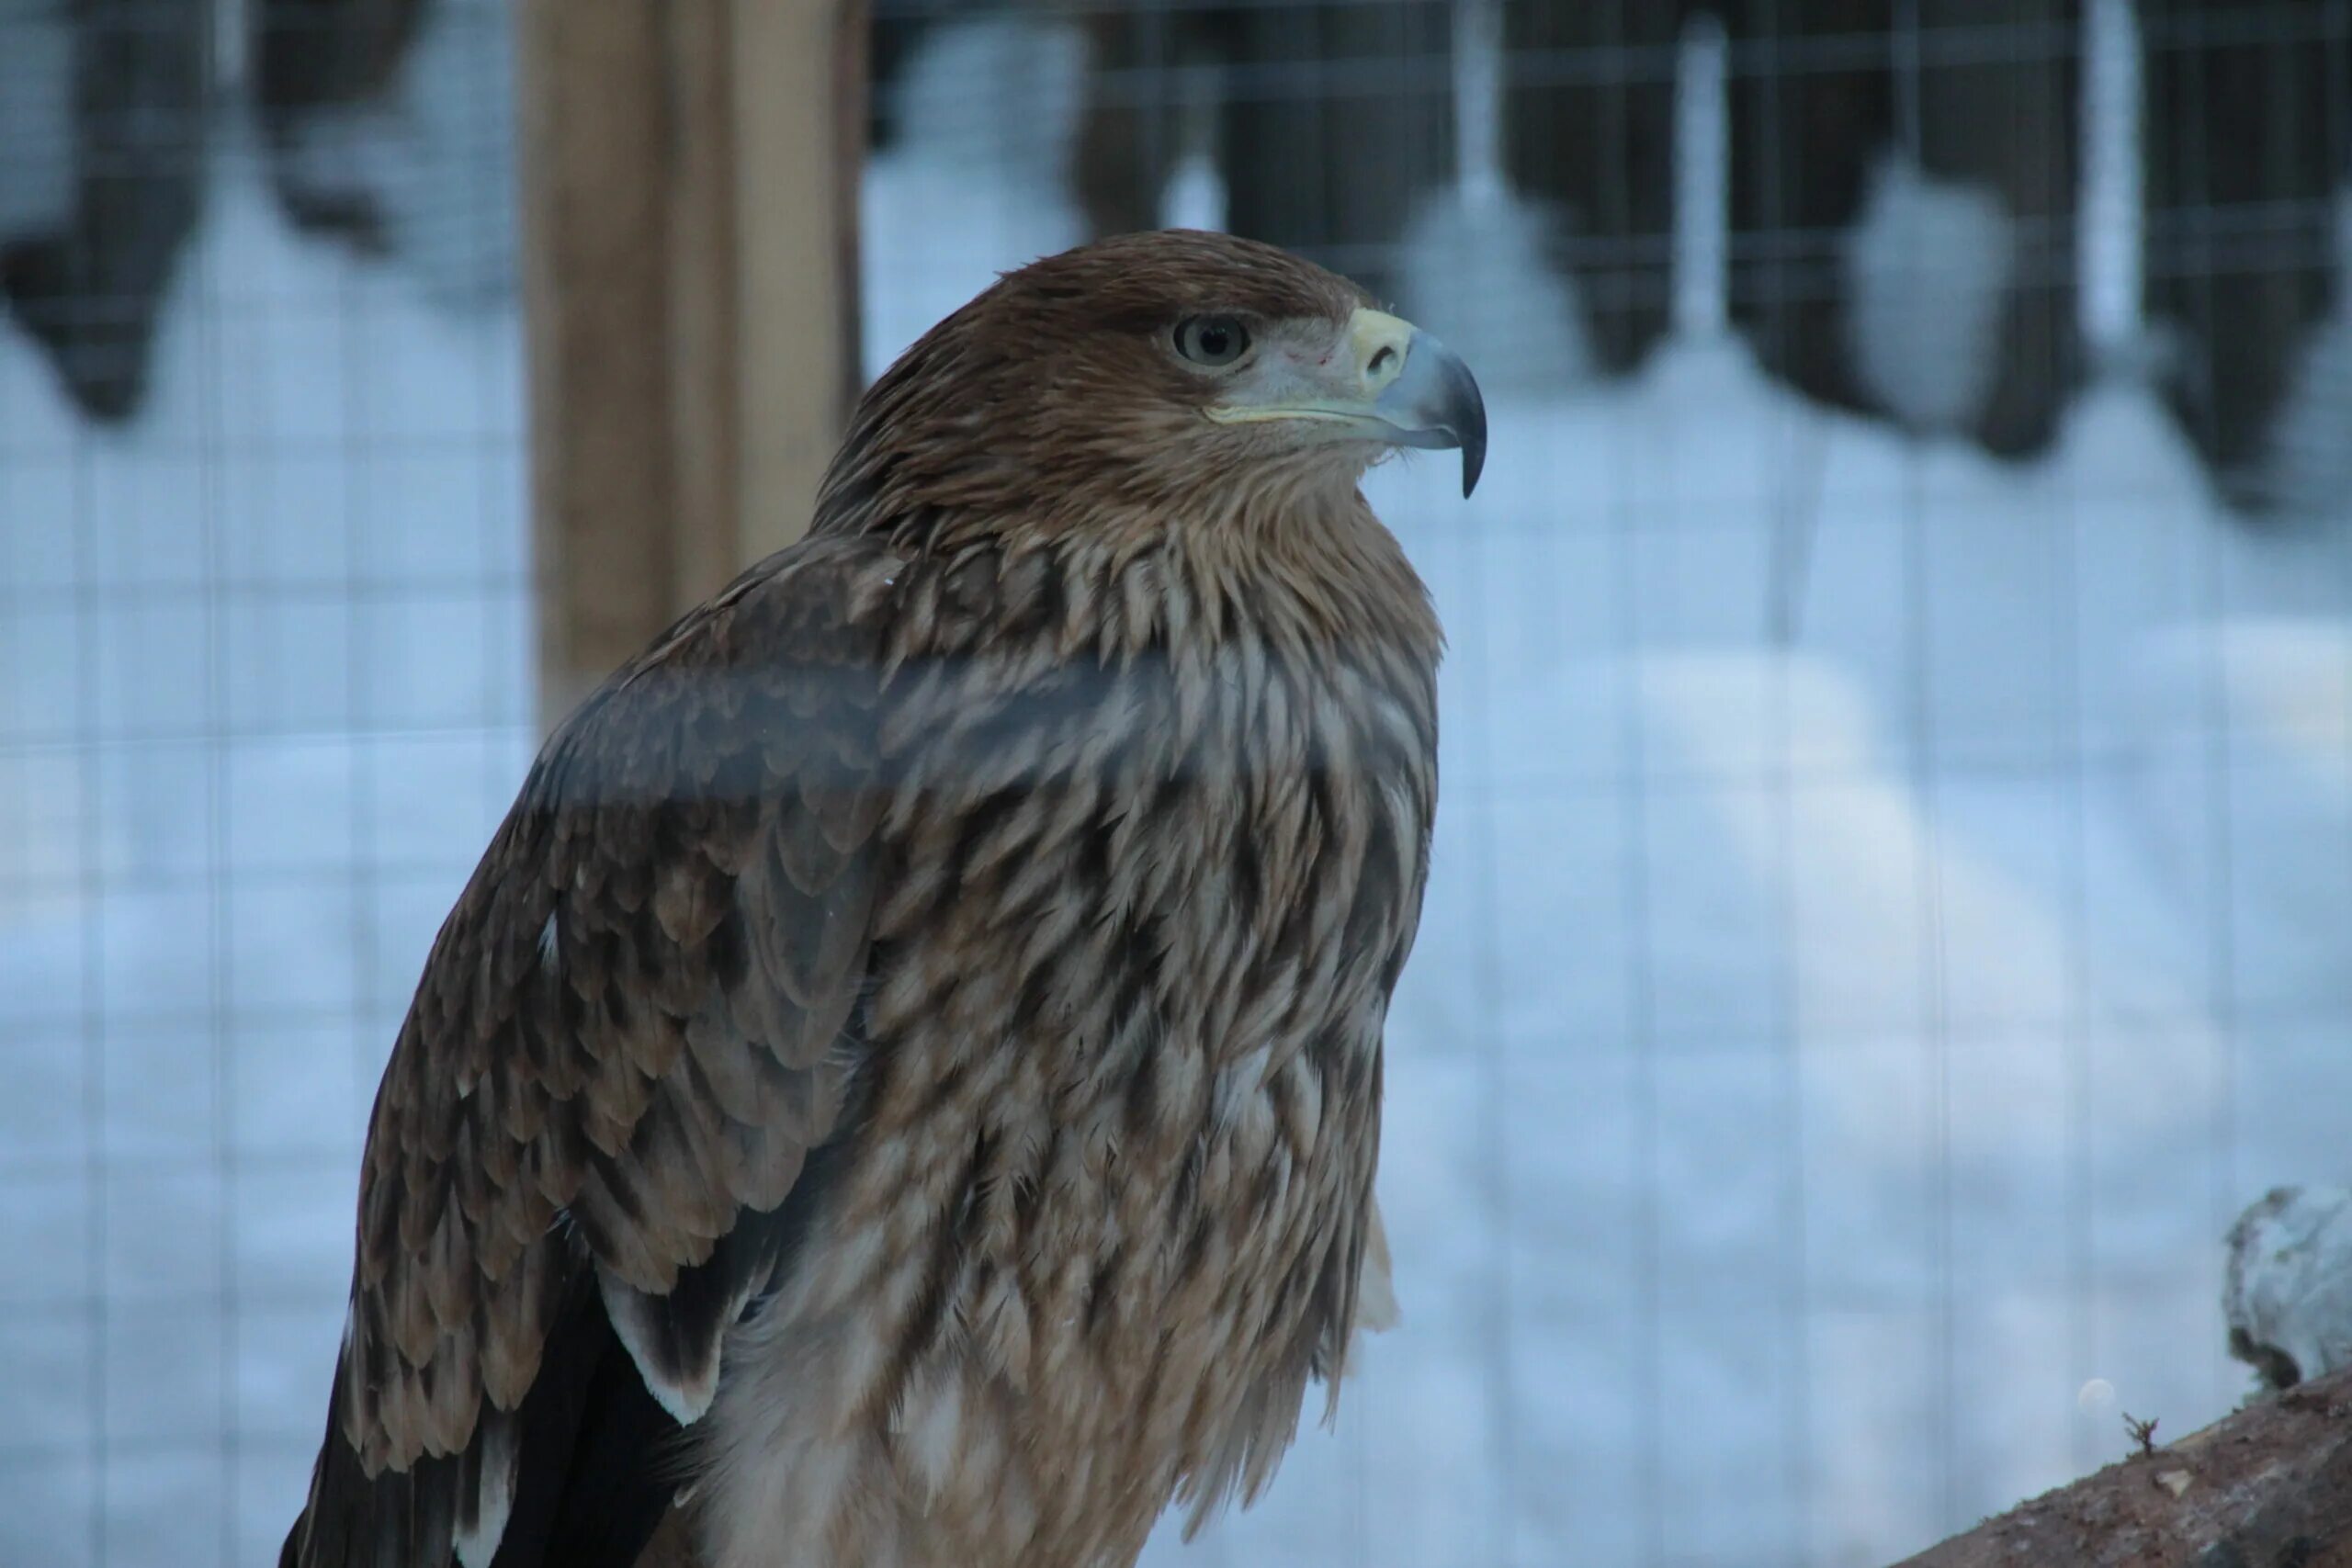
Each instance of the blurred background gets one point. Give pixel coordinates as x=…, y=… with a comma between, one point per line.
x=1892, y=903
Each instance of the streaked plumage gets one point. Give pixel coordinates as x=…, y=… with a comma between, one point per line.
x=907, y=1072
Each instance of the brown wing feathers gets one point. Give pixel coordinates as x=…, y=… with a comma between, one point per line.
x=626, y=1041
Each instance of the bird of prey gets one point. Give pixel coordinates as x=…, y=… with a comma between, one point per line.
x=901, y=1089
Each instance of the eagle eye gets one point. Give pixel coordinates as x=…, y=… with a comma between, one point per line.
x=1213, y=341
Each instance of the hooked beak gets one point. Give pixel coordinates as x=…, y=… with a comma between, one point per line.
x=1397, y=385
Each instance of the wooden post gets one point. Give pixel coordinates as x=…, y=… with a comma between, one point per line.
x=690, y=200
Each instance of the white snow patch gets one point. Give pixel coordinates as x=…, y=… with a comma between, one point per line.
x=264, y=691
x=1702, y=179
x=2310, y=467
x=437, y=153
x=2111, y=269
x=1927, y=267
x=987, y=109
x=995, y=93
x=1194, y=197
x=1478, y=100
x=1484, y=275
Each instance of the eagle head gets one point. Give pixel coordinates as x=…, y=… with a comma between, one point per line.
x=1170, y=368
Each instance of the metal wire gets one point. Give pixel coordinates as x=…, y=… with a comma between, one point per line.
x=264, y=686
x=263, y=599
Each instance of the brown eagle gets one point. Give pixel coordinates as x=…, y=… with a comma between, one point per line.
x=903, y=1088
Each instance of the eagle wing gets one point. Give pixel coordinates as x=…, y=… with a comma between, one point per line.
x=593, y=1141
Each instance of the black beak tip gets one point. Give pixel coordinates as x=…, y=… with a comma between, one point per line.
x=1470, y=421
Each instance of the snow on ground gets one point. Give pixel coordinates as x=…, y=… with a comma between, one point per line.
x=1820, y=1064
x=987, y=110
x=265, y=689
x=1927, y=268
x=1886, y=921
x=1486, y=251
x=2310, y=468
x=426, y=155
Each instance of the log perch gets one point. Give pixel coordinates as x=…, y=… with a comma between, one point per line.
x=2268, y=1487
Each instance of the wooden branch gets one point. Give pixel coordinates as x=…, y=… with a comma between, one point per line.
x=2268, y=1487
x=690, y=195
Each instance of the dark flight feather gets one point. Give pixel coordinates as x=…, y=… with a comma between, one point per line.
x=635, y=1021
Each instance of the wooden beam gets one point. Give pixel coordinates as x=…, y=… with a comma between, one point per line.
x=690, y=196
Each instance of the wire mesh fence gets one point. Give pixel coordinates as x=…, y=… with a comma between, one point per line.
x=264, y=603
x=1880, y=933
x=1897, y=839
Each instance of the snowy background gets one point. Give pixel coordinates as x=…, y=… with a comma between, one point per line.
x=1890, y=908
